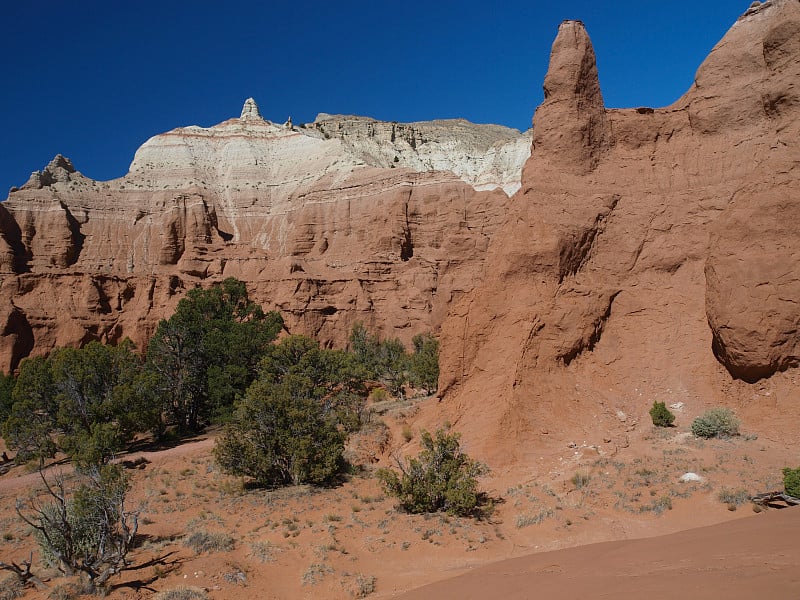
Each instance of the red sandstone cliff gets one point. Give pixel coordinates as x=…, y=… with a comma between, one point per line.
x=650, y=254
x=319, y=222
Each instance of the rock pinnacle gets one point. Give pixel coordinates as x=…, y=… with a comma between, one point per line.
x=250, y=111
x=570, y=127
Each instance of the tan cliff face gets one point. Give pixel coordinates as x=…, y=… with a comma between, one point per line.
x=649, y=254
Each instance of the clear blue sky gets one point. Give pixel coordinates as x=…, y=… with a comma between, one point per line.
x=93, y=79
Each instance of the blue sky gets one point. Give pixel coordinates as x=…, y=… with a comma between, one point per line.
x=94, y=79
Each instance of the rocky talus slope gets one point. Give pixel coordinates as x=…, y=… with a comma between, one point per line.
x=340, y=220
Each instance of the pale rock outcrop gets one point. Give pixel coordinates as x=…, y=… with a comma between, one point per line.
x=485, y=156
x=250, y=111
x=58, y=170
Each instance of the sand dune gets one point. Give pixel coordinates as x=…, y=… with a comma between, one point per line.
x=743, y=559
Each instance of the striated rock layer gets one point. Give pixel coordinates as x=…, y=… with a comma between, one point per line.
x=651, y=254
x=324, y=227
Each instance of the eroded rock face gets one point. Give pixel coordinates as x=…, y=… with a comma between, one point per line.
x=571, y=128
x=753, y=283
x=651, y=254
x=322, y=227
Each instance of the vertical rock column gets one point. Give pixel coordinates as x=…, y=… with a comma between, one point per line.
x=570, y=128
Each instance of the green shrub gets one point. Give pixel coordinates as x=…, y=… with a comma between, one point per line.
x=6, y=395
x=207, y=353
x=791, y=481
x=424, y=362
x=661, y=415
x=379, y=395
x=281, y=434
x=441, y=478
x=716, y=422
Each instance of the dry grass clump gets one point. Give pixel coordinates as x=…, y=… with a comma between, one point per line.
x=182, y=593
x=534, y=519
x=10, y=588
x=209, y=541
x=364, y=586
x=67, y=591
x=734, y=498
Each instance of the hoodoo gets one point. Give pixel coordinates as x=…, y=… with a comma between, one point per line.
x=250, y=111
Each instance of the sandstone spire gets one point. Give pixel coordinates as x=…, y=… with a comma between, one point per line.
x=250, y=111
x=570, y=127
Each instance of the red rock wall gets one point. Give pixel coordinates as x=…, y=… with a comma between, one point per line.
x=650, y=254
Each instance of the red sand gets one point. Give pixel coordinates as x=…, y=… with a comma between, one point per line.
x=738, y=560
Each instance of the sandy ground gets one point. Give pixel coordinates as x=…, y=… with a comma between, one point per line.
x=550, y=513
x=742, y=560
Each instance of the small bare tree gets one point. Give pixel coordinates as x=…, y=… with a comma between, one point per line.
x=89, y=530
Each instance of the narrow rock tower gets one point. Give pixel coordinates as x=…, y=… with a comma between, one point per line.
x=250, y=111
x=570, y=128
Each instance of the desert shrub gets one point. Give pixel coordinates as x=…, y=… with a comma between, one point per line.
x=534, y=519
x=70, y=590
x=86, y=401
x=209, y=541
x=379, y=395
x=384, y=360
x=661, y=415
x=717, y=422
x=364, y=586
x=733, y=498
x=264, y=550
x=424, y=362
x=6, y=395
x=89, y=531
x=334, y=378
x=441, y=478
x=791, y=481
x=182, y=593
x=658, y=506
x=11, y=588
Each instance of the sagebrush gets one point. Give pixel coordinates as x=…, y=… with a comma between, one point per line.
x=716, y=423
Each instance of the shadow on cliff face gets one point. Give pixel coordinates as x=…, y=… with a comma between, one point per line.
x=19, y=331
x=12, y=235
